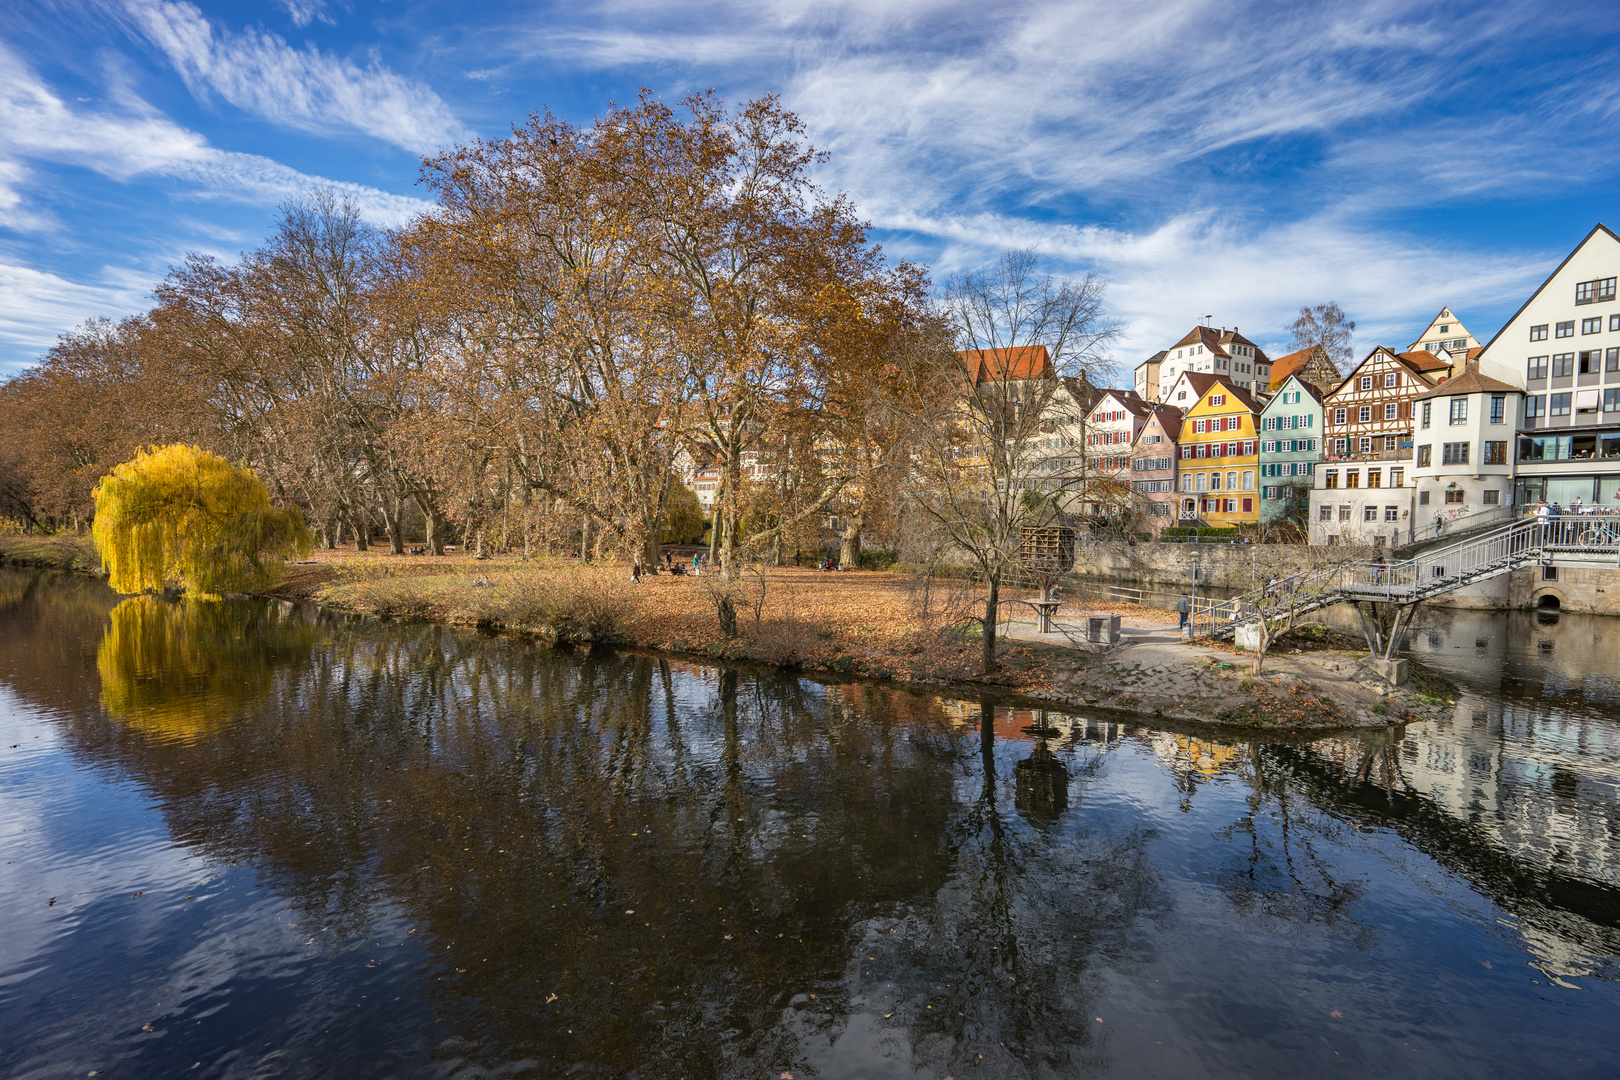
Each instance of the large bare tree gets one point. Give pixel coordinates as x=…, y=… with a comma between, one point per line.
x=1004, y=372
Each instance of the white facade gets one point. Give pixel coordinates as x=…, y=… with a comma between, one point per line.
x=1463, y=467
x=1445, y=331
x=1206, y=350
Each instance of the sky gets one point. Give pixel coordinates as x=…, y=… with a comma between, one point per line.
x=1226, y=159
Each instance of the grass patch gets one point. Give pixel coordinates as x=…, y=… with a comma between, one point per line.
x=563, y=602
x=61, y=552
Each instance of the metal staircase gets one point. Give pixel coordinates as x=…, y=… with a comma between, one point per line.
x=1478, y=558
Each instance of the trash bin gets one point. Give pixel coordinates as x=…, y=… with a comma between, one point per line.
x=1102, y=629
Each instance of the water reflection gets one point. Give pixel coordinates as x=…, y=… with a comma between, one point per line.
x=499, y=858
x=177, y=670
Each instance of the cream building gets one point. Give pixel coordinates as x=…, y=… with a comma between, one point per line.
x=1223, y=352
x=1462, y=472
x=1445, y=331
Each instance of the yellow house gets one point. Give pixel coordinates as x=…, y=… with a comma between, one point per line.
x=1220, y=454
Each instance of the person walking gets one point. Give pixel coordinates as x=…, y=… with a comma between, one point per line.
x=697, y=565
x=1184, y=608
x=635, y=570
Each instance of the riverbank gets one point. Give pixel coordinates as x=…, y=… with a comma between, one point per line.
x=878, y=625
x=61, y=552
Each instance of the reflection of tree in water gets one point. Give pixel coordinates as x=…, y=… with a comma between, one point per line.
x=992, y=972
x=1284, y=876
x=516, y=804
x=177, y=670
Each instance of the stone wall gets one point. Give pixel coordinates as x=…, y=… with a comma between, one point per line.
x=1591, y=587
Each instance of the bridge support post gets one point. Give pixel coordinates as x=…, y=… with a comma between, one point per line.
x=1384, y=644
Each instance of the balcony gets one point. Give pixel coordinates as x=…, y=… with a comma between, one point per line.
x=1403, y=453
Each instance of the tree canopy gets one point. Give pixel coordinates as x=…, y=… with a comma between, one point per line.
x=180, y=514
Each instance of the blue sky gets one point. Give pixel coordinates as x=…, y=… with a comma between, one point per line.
x=1208, y=158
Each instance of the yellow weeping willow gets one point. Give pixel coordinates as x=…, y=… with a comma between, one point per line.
x=180, y=514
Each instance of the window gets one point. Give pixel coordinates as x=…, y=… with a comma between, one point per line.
x=1369, y=513
x=1459, y=411
x=1536, y=368
x=1498, y=408
x=1535, y=406
x=1332, y=479
x=1199, y=426
x=1389, y=378
x=1231, y=506
x=1549, y=573
x=1248, y=447
x=1248, y=505
x=1397, y=477
x=1454, y=453
x=1366, y=444
x=1490, y=498
x=1214, y=481
x=1496, y=452
x=1560, y=405
x=1365, y=414
x=1426, y=414
x=1181, y=395
x=1455, y=495
x=1366, y=382
x=1390, y=411
x=1563, y=364
x=1611, y=360
x=1593, y=292
x=1589, y=362
x=1186, y=453
x=1423, y=498
x=1611, y=400
x=1217, y=399
x=1392, y=513
x=1375, y=478
x=1565, y=329
x=1325, y=513
x=1234, y=423
x=1344, y=512
x=1352, y=478
x=1340, y=415
x=1538, y=333
x=1592, y=326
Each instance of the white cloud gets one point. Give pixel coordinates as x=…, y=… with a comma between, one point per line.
x=304, y=12
x=138, y=142
x=304, y=89
x=40, y=305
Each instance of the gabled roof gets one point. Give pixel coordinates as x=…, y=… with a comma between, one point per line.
x=1207, y=336
x=1156, y=358
x=1229, y=388
x=1232, y=337
x=1019, y=362
x=1471, y=382
x=1197, y=381
x=1599, y=227
x=1424, y=360
x=1129, y=400
x=1081, y=391
x=1309, y=387
x=1285, y=366
x=1169, y=418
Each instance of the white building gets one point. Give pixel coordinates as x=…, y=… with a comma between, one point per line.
x=1563, y=347
x=1463, y=469
x=1445, y=331
x=1217, y=352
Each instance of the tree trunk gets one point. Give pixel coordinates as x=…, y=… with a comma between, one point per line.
x=585, y=538
x=849, y=554
x=714, y=531
x=396, y=527
x=432, y=523
x=362, y=531
x=991, y=603
x=329, y=533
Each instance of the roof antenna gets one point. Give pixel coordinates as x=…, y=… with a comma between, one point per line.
x=1209, y=320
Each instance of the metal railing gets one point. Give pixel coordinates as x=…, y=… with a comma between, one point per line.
x=1479, y=558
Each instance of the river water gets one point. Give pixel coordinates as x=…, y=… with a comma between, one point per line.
x=245, y=839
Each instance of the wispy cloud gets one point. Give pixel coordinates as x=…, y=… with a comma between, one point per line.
x=304, y=12
x=40, y=305
x=304, y=89
x=136, y=141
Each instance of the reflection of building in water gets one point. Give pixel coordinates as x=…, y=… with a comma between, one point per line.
x=1524, y=800
x=1184, y=754
x=1016, y=724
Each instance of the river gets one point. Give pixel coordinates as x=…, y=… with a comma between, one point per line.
x=248, y=839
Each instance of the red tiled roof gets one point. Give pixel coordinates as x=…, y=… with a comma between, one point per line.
x=1424, y=360
x=1020, y=362
x=1471, y=382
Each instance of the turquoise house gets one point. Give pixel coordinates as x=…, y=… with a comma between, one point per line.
x=1290, y=444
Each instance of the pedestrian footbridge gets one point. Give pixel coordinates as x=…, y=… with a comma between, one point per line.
x=1405, y=583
